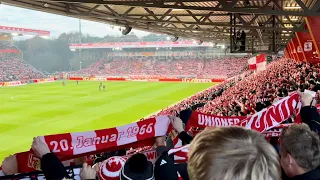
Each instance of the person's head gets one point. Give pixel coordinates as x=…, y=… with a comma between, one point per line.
x=137, y=167
x=232, y=153
x=110, y=169
x=299, y=150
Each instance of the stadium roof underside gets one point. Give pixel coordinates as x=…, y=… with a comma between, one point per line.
x=263, y=20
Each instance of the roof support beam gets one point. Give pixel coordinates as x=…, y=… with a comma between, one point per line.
x=302, y=5
x=150, y=4
x=92, y=9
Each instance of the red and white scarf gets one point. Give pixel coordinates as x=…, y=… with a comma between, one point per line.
x=71, y=145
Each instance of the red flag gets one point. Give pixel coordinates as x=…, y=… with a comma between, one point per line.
x=258, y=62
x=313, y=23
x=307, y=45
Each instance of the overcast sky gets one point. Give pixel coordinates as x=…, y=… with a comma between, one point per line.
x=56, y=24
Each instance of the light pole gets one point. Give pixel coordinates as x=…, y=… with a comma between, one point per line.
x=80, y=65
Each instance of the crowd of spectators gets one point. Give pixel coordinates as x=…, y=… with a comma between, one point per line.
x=223, y=67
x=12, y=68
x=251, y=92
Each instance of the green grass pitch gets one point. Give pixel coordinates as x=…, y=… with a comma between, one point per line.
x=40, y=109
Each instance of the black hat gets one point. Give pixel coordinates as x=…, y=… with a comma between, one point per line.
x=137, y=167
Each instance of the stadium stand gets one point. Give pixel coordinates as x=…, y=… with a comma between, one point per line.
x=12, y=68
x=223, y=67
x=249, y=93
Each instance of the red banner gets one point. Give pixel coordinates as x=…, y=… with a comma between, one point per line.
x=44, y=80
x=290, y=50
x=9, y=51
x=286, y=55
x=201, y=120
x=148, y=54
x=294, y=51
x=12, y=83
x=146, y=79
x=313, y=23
x=196, y=80
x=17, y=30
x=298, y=49
x=308, y=48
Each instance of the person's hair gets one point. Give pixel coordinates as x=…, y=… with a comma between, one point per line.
x=138, y=163
x=302, y=144
x=232, y=153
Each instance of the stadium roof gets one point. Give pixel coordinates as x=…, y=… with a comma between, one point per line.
x=197, y=19
x=21, y=31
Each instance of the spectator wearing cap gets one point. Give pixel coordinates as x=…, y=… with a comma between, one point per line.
x=137, y=167
x=300, y=153
x=110, y=169
x=235, y=153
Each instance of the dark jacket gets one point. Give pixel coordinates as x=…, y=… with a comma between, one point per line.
x=185, y=138
x=165, y=169
x=310, y=116
x=311, y=175
x=52, y=168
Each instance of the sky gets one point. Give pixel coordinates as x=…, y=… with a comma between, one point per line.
x=56, y=24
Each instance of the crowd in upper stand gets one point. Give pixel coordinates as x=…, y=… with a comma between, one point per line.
x=13, y=68
x=223, y=67
x=251, y=92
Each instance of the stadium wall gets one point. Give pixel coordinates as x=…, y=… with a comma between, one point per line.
x=190, y=80
x=19, y=83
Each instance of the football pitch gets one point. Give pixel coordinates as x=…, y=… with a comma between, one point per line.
x=50, y=108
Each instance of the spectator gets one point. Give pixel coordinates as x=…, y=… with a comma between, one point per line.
x=300, y=153
x=10, y=165
x=232, y=153
x=137, y=167
x=215, y=68
x=50, y=164
x=309, y=113
x=110, y=169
